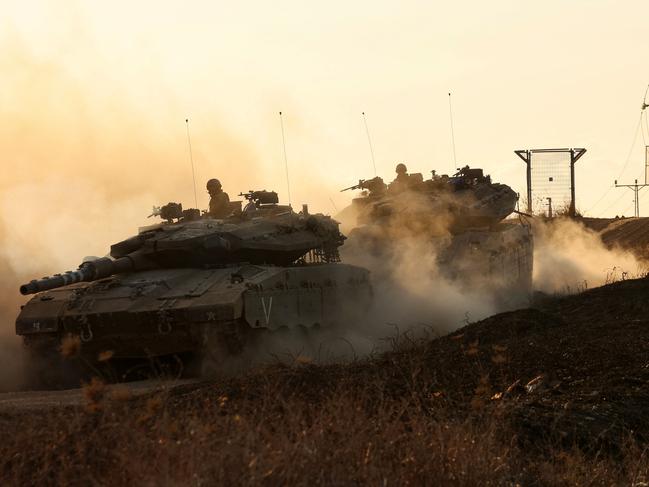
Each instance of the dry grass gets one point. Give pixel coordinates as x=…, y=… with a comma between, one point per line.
x=534, y=397
x=263, y=434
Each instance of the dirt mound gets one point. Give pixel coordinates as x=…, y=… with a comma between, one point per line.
x=573, y=369
x=628, y=233
x=579, y=366
x=598, y=224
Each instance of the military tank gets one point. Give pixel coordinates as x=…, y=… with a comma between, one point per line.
x=462, y=217
x=190, y=287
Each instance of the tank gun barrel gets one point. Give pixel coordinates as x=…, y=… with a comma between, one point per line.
x=88, y=271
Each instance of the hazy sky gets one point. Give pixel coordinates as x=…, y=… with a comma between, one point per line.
x=568, y=73
x=94, y=96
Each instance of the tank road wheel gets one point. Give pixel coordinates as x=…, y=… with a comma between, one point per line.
x=46, y=366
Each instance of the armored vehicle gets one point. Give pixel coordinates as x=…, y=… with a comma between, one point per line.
x=192, y=287
x=461, y=216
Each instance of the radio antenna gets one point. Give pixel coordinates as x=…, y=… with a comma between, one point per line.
x=191, y=160
x=369, y=141
x=450, y=113
x=333, y=204
x=288, y=183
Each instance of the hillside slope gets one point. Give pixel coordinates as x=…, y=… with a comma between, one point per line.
x=628, y=233
x=557, y=394
x=576, y=366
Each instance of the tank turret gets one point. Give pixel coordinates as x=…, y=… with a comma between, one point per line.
x=460, y=217
x=276, y=239
x=467, y=199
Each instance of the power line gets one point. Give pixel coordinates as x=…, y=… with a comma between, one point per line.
x=635, y=138
x=611, y=205
x=635, y=187
x=626, y=163
x=600, y=199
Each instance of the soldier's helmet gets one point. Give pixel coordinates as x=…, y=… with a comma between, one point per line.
x=213, y=185
x=401, y=168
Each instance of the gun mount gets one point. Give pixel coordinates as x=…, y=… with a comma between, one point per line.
x=258, y=198
x=174, y=211
x=374, y=185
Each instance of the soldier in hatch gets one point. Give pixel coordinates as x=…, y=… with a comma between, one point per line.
x=402, y=181
x=219, y=200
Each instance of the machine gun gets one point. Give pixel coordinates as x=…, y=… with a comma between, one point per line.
x=168, y=212
x=374, y=185
x=259, y=198
x=175, y=210
x=468, y=174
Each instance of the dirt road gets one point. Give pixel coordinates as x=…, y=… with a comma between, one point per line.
x=44, y=400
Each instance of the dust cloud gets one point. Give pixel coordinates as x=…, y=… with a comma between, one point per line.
x=569, y=257
x=413, y=291
x=11, y=356
x=414, y=294
x=413, y=297
x=85, y=158
x=83, y=164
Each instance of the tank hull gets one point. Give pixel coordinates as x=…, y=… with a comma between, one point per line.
x=497, y=260
x=165, y=312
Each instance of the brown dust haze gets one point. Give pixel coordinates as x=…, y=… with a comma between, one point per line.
x=85, y=159
x=82, y=169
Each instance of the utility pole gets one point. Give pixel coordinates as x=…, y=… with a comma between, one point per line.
x=636, y=189
x=550, y=208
